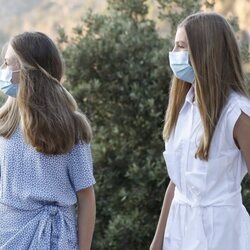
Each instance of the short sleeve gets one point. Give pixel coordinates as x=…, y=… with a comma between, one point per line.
x=81, y=167
x=238, y=104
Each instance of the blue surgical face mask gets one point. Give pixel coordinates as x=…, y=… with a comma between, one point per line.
x=6, y=86
x=179, y=63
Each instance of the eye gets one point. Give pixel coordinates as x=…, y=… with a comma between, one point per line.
x=180, y=45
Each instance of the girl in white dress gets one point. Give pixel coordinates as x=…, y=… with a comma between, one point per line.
x=207, y=141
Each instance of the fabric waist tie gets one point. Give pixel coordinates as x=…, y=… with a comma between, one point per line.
x=53, y=223
x=48, y=227
x=194, y=235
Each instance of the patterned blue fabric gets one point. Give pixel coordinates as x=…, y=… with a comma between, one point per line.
x=38, y=195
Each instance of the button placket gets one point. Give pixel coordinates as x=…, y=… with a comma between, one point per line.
x=188, y=141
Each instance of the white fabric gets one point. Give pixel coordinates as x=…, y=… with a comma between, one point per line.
x=207, y=212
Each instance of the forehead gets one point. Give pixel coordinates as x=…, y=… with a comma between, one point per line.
x=181, y=35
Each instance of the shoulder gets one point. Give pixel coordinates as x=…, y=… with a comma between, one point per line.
x=238, y=100
x=239, y=107
x=236, y=104
x=81, y=150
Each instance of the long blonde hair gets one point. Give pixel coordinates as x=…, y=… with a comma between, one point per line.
x=47, y=111
x=215, y=58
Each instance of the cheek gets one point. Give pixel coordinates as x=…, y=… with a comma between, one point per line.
x=15, y=77
x=175, y=49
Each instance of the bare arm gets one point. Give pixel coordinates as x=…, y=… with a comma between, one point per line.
x=86, y=217
x=242, y=137
x=157, y=242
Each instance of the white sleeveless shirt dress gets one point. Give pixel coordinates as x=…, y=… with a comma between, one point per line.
x=207, y=211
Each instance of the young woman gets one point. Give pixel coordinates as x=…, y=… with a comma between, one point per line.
x=207, y=141
x=45, y=156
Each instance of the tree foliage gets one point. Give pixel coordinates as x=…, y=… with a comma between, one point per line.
x=117, y=67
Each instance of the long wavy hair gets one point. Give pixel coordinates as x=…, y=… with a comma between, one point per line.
x=44, y=109
x=215, y=58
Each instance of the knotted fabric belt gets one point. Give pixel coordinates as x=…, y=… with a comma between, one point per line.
x=195, y=237
x=48, y=227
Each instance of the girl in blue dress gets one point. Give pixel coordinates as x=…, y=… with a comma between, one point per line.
x=45, y=156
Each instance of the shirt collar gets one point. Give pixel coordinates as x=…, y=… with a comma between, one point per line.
x=189, y=99
x=190, y=96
